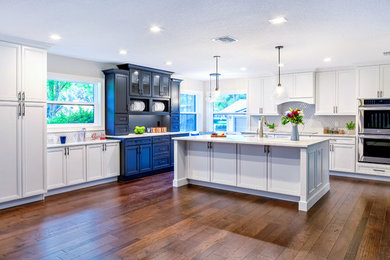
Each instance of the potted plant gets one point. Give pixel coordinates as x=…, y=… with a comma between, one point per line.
x=271, y=127
x=351, y=128
x=295, y=117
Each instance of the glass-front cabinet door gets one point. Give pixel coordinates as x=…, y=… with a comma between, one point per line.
x=164, y=86
x=135, y=76
x=156, y=84
x=146, y=82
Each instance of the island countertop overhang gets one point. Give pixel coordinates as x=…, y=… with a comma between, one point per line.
x=254, y=140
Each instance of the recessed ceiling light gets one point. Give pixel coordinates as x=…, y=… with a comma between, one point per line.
x=169, y=63
x=155, y=29
x=281, y=65
x=55, y=37
x=278, y=20
x=328, y=59
x=122, y=52
x=243, y=69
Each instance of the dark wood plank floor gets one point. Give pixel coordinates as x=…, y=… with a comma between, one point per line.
x=149, y=219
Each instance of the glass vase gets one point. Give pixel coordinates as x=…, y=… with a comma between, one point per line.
x=294, y=133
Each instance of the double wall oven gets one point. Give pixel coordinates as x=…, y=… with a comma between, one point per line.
x=374, y=131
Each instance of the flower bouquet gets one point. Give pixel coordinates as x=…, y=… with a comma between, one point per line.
x=295, y=117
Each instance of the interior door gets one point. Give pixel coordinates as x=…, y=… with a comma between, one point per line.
x=252, y=167
x=34, y=148
x=198, y=161
x=346, y=92
x=145, y=158
x=10, y=156
x=34, y=74
x=111, y=160
x=223, y=163
x=9, y=71
x=56, y=168
x=94, y=162
x=75, y=166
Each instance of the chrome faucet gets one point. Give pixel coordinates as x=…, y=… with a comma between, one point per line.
x=260, y=129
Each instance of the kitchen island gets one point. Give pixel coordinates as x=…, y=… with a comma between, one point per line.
x=272, y=167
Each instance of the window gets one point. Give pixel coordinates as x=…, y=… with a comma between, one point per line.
x=188, y=112
x=73, y=103
x=229, y=113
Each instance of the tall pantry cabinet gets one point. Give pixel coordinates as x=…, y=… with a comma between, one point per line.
x=23, y=122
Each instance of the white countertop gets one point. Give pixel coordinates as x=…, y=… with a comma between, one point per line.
x=238, y=139
x=83, y=143
x=145, y=135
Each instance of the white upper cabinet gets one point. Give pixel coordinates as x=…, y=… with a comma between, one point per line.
x=34, y=74
x=9, y=71
x=299, y=86
x=368, y=82
x=254, y=96
x=385, y=81
x=287, y=81
x=335, y=93
x=260, y=96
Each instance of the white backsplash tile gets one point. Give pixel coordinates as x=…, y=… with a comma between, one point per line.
x=313, y=123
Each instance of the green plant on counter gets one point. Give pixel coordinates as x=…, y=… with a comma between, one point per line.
x=351, y=125
x=271, y=126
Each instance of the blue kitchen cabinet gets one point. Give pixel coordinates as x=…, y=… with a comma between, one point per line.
x=132, y=165
x=145, y=158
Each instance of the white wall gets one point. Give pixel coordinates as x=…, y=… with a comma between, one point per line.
x=73, y=66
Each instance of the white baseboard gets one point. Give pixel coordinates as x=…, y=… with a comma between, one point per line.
x=80, y=186
x=19, y=202
x=245, y=190
x=360, y=176
x=305, y=206
x=179, y=182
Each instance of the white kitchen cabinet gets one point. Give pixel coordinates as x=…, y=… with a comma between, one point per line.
x=75, y=165
x=199, y=161
x=34, y=74
x=9, y=71
x=287, y=81
x=56, y=168
x=335, y=93
x=260, y=96
x=34, y=148
x=111, y=160
x=368, y=82
x=254, y=96
x=252, y=167
x=385, y=81
x=223, y=163
x=299, y=86
x=10, y=152
x=342, y=157
x=95, y=161
x=283, y=170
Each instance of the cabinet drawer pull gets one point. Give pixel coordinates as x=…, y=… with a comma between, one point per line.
x=378, y=170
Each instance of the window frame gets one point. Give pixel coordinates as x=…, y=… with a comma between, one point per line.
x=197, y=104
x=99, y=106
x=241, y=114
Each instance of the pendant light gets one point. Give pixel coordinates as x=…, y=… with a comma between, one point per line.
x=280, y=93
x=214, y=76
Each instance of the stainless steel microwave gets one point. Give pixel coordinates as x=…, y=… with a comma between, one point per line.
x=374, y=116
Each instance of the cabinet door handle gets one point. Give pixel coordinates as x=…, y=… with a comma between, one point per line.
x=24, y=109
x=103, y=147
x=19, y=110
x=65, y=151
x=337, y=109
x=378, y=170
x=265, y=149
x=19, y=96
x=381, y=93
x=23, y=96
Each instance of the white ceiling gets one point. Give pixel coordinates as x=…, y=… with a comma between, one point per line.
x=351, y=32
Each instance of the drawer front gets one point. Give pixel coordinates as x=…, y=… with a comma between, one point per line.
x=121, y=129
x=162, y=139
x=121, y=119
x=342, y=141
x=137, y=141
x=373, y=170
x=161, y=162
x=161, y=149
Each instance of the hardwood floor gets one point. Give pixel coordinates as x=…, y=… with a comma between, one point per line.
x=147, y=218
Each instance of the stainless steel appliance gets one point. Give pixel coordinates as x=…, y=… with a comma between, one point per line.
x=374, y=116
x=374, y=131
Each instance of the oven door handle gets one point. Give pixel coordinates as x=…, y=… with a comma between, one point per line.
x=376, y=108
x=387, y=137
